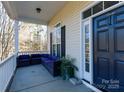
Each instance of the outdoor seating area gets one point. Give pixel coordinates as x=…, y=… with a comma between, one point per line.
x=51, y=63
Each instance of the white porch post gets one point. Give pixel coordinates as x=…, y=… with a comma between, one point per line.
x=16, y=29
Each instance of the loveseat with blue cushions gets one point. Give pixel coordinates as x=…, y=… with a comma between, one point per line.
x=35, y=59
x=23, y=60
x=51, y=63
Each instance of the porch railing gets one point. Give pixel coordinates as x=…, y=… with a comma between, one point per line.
x=32, y=52
x=7, y=68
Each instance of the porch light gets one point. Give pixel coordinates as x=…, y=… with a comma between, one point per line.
x=38, y=10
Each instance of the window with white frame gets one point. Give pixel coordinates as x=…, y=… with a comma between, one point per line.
x=56, y=41
x=98, y=8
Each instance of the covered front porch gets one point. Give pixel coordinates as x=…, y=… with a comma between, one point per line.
x=35, y=77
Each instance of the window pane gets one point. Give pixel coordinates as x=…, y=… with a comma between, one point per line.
x=58, y=50
x=109, y=3
x=58, y=35
x=97, y=8
x=87, y=37
x=54, y=50
x=54, y=37
x=87, y=13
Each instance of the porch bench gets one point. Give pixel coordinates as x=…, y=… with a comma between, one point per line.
x=52, y=64
x=23, y=60
x=35, y=59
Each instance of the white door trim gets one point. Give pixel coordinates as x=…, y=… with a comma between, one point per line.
x=87, y=75
x=91, y=41
x=81, y=43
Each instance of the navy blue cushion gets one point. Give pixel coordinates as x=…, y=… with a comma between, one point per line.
x=45, y=59
x=49, y=60
x=35, y=55
x=36, y=58
x=24, y=57
x=24, y=60
x=55, y=58
x=45, y=55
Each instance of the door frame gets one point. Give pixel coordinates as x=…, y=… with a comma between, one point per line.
x=90, y=48
x=91, y=39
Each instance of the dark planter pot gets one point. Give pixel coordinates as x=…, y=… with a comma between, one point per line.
x=67, y=72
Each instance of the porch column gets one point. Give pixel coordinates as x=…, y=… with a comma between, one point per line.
x=16, y=29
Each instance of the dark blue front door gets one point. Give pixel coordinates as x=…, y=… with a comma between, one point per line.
x=109, y=50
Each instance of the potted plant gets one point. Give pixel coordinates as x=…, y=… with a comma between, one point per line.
x=67, y=67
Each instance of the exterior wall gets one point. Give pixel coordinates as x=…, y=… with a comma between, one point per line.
x=69, y=16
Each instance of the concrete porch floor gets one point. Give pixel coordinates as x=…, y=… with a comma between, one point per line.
x=37, y=79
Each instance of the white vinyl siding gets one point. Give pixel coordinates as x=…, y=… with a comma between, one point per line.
x=70, y=17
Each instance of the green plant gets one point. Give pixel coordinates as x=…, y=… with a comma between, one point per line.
x=67, y=67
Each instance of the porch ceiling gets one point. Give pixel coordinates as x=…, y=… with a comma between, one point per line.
x=26, y=10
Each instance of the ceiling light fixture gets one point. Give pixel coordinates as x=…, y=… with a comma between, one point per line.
x=38, y=10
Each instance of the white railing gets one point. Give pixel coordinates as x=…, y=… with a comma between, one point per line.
x=7, y=68
x=32, y=52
